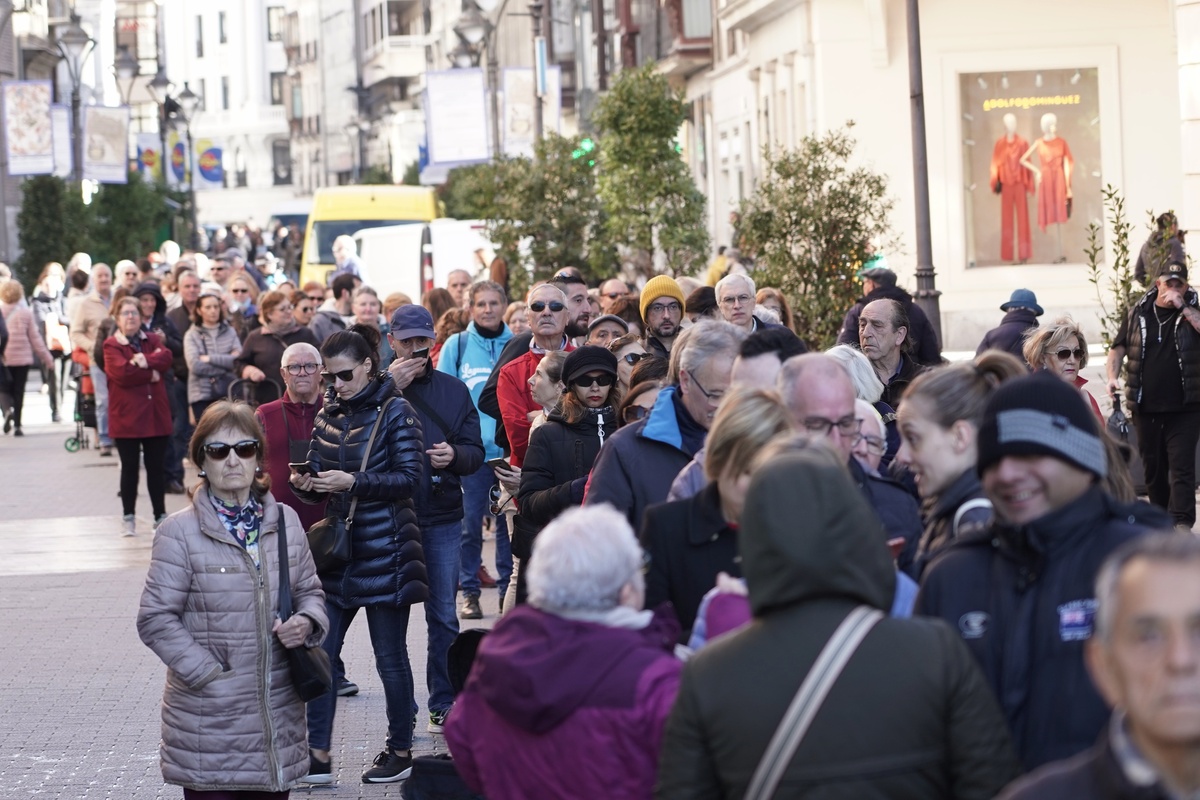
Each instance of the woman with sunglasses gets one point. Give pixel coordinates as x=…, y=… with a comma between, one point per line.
x=136, y=363
x=232, y=723
x=242, y=294
x=562, y=451
x=210, y=347
x=629, y=350
x=262, y=352
x=1060, y=349
x=386, y=574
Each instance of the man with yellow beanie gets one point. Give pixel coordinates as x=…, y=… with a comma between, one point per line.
x=662, y=310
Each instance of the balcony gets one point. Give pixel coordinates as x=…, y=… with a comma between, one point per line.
x=690, y=47
x=749, y=15
x=394, y=57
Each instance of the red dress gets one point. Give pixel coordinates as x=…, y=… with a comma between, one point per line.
x=1054, y=158
x=1015, y=183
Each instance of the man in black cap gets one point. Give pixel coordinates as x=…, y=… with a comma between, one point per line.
x=1021, y=313
x=879, y=283
x=1021, y=592
x=1161, y=337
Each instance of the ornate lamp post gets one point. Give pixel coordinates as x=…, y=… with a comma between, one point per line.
x=74, y=46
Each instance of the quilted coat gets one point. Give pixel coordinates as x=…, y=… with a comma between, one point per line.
x=231, y=719
x=388, y=564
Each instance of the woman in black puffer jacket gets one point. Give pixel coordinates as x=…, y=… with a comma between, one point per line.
x=386, y=574
x=562, y=451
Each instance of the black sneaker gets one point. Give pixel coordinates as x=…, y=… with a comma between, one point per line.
x=347, y=688
x=174, y=487
x=470, y=608
x=320, y=773
x=389, y=768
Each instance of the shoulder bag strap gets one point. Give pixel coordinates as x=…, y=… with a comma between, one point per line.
x=421, y=404
x=367, y=454
x=285, y=581
x=807, y=702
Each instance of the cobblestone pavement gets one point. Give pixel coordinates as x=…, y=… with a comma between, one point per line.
x=79, y=692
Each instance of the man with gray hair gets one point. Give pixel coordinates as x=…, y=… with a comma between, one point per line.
x=1145, y=661
x=345, y=259
x=543, y=718
x=879, y=283
x=735, y=299
x=1020, y=592
x=883, y=329
x=638, y=462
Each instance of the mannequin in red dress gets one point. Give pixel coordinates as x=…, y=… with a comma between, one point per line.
x=1012, y=182
x=1053, y=177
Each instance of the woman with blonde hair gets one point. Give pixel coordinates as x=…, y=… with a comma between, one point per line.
x=774, y=299
x=689, y=542
x=1061, y=349
x=516, y=317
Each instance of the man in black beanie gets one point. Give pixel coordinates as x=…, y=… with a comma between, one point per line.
x=1021, y=593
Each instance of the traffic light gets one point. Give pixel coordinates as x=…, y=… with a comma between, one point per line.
x=586, y=146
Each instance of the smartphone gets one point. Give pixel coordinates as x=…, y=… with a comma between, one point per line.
x=498, y=463
x=302, y=468
x=420, y=353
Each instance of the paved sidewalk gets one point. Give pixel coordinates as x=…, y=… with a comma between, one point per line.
x=79, y=692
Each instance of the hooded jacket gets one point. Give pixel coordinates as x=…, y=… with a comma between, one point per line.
x=910, y=715
x=925, y=347
x=1023, y=599
x=231, y=719
x=470, y=356
x=560, y=709
x=159, y=324
x=388, y=563
x=1009, y=335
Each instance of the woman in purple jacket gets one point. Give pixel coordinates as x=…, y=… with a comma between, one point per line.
x=569, y=694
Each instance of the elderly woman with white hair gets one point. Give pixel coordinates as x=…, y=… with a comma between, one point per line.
x=868, y=387
x=569, y=694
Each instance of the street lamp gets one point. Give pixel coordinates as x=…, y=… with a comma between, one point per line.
x=476, y=31
x=126, y=69
x=188, y=102
x=74, y=46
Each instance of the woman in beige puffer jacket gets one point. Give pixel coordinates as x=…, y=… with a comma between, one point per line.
x=231, y=718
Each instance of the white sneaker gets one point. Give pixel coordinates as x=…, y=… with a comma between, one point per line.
x=130, y=525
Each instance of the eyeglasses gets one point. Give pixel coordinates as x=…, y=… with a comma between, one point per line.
x=538, y=306
x=130, y=314
x=217, y=451
x=303, y=369
x=739, y=300
x=875, y=445
x=240, y=291
x=634, y=413
x=586, y=381
x=819, y=426
x=663, y=308
x=218, y=268
x=345, y=376
x=1064, y=354
x=318, y=299
x=285, y=309
x=633, y=358
x=712, y=397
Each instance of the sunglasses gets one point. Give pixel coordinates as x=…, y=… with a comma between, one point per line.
x=317, y=299
x=1064, y=354
x=218, y=451
x=633, y=358
x=240, y=291
x=538, y=306
x=585, y=381
x=345, y=376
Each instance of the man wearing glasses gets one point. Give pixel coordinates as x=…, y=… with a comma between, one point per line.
x=735, y=299
x=662, y=310
x=820, y=396
x=611, y=291
x=220, y=271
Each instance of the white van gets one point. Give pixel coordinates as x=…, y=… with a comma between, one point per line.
x=415, y=257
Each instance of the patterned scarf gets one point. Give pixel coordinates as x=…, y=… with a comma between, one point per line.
x=242, y=522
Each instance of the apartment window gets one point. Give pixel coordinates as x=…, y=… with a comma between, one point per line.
x=281, y=162
x=277, y=88
x=395, y=19
x=225, y=92
x=203, y=87
x=199, y=36
x=239, y=168
x=275, y=23
x=222, y=37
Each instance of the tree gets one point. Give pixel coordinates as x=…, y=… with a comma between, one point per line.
x=127, y=218
x=52, y=225
x=808, y=226
x=376, y=175
x=1118, y=290
x=650, y=203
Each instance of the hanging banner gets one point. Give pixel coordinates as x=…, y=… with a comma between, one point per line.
x=210, y=169
x=149, y=156
x=177, y=161
x=517, y=126
x=28, y=137
x=64, y=155
x=106, y=144
x=456, y=116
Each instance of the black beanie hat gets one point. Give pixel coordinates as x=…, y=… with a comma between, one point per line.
x=1041, y=415
x=588, y=358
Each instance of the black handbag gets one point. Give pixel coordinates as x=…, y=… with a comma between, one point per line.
x=311, y=671
x=330, y=539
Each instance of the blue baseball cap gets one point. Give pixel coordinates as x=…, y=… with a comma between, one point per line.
x=410, y=321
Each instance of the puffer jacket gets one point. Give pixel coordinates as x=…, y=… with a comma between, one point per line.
x=1187, y=347
x=909, y=718
x=231, y=719
x=205, y=380
x=388, y=564
x=23, y=339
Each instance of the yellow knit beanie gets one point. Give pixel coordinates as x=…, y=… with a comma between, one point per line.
x=660, y=286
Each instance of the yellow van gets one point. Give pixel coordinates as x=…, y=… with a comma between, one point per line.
x=338, y=210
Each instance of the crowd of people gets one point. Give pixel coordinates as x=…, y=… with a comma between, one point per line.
x=726, y=565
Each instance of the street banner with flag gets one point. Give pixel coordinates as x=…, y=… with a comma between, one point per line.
x=210, y=169
x=28, y=136
x=517, y=119
x=149, y=156
x=106, y=144
x=177, y=161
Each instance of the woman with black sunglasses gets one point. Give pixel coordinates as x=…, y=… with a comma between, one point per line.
x=1060, y=349
x=386, y=574
x=562, y=451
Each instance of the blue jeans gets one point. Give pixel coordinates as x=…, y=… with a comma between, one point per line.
x=100, y=381
x=442, y=544
x=181, y=429
x=477, y=502
x=389, y=628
